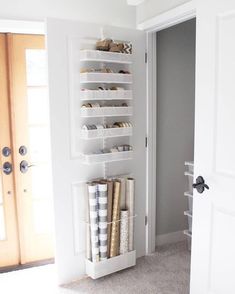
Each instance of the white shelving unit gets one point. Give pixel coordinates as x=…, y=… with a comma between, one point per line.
x=189, y=173
x=106, y=133
x=106, y=113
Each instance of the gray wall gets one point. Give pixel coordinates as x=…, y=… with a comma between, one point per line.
x=175, y=122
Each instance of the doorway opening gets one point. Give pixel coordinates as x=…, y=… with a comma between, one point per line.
x=26, y=213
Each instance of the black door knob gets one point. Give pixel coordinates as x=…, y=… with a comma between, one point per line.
x=200, y=185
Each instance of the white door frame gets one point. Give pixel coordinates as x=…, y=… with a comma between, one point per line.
x=162, y=21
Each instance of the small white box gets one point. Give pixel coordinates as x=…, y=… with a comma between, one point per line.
x=107, y=157
x=106, y=133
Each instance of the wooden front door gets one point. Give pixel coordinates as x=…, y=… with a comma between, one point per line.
x=29, y=131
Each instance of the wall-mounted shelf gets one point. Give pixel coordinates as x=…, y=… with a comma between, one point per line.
x=102, y=268
x=102, y=56
x=106, y=133
x=106, y=95
x=113, y=78
x=106, y=157
x=106, y=111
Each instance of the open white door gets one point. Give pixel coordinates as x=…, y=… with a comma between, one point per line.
x=64, y=39
x=213, y=248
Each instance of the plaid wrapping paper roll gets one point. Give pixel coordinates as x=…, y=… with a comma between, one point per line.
x=93, y=209
x=130, y=205
x=115, y=231
x=103, y=225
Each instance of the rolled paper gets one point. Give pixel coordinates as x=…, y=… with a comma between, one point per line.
x=124, y=246
x=88, y=231
x=103, y=225
x=130, y=205
x=109, y=216
x=115, y=229
x=92, y=191
x=123, y=193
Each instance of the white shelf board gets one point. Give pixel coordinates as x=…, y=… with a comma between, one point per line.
x=106, y=95
x=105, y=56
x=188, y=213
x=113, y=78
x=188, y=233
x=106, y=133
x=99, y=269
x=106, y=157
x=187, y=173
x=106, y=111
x=188, y=194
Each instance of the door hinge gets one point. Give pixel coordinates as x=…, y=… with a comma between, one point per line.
x=146, y=220
x=146, y=142
x=146, y=57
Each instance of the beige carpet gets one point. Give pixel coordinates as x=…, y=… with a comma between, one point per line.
x=164, y=272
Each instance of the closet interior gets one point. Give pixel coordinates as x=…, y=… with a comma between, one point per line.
x=175, y=132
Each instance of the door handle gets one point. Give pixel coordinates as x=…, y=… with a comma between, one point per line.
x=6, y=168
x=200, y=185
x=24, y=166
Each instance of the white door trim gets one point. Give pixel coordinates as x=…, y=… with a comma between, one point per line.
x=167, y=19
x=22, y=27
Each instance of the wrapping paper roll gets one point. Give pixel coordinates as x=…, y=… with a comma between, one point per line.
x=115, y=229
x=123, y=193
x=88, y=230
x=130, y=205
x=124, y=245
x=110, y=210
x=103, y=225
x=93, y=192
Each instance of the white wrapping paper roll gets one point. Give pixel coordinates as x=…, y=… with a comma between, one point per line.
x=124, y=245
x=130, y=205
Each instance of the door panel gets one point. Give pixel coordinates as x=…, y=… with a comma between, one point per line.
x=30, y=126
x=64, y=41
x=213, y=253
x=9, y=246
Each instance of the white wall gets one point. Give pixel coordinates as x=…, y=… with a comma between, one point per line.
x=151, y=8
x=175, y=123
x=112, y=12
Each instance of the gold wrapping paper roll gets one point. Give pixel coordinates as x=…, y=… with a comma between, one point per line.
x=115, y=228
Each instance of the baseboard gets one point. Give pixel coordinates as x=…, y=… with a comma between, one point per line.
x=170, y=238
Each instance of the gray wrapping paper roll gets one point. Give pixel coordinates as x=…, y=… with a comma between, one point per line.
x=88, y=230
x=103, y=225
x=93, y=209
x=130, y=205
x=124, y=245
